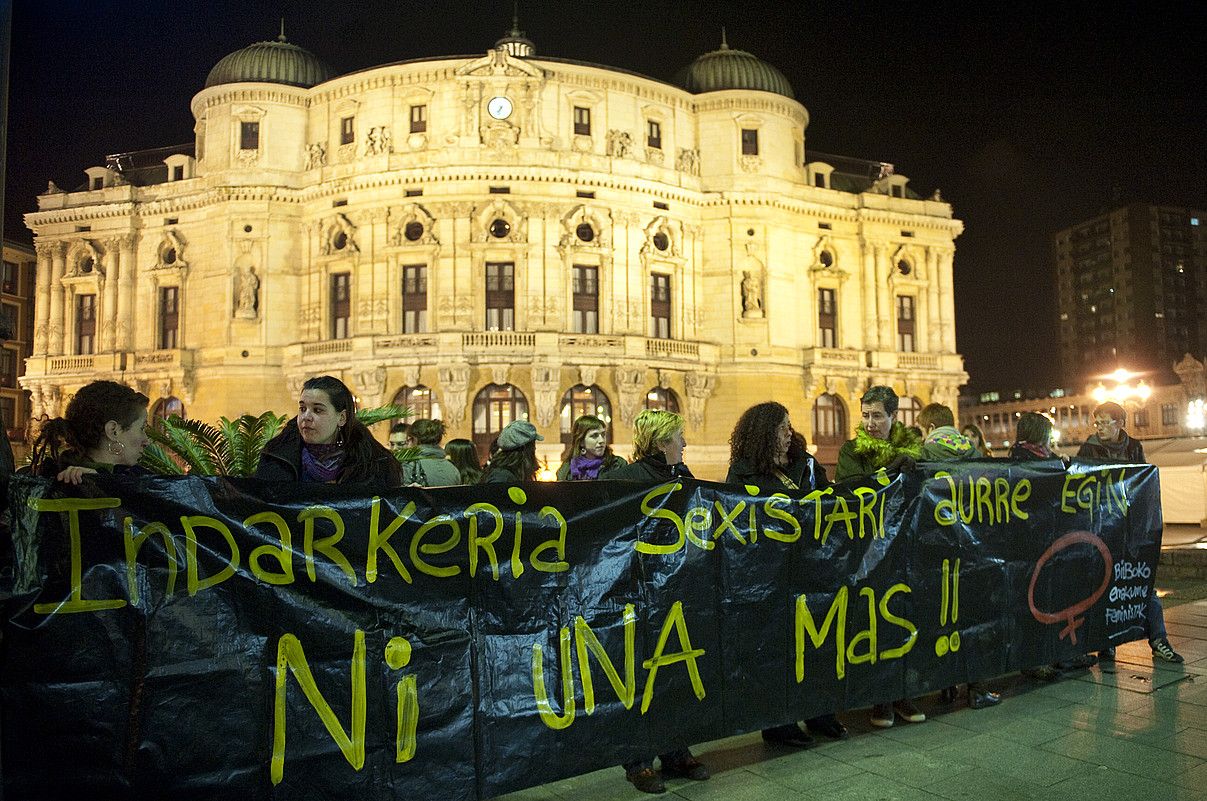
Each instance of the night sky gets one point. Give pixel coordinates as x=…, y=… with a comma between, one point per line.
x=1028, y=117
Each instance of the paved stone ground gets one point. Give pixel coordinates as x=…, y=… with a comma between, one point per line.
x=1137, y=732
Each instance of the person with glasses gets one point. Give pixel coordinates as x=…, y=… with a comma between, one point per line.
x=1111, y=442
x=398, y=436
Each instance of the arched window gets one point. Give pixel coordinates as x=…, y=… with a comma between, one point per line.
x=420, y=400
x=665, y=399
x=829, y=421
x=580, y=400
x=907, y=410
x=167, y=407
x=494, y=407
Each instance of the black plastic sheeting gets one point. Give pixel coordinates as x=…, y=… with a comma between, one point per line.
x=423, y=611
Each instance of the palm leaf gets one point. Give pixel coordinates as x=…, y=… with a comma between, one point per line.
x=247, y=437
x=200, y=445
x=157, y=460
x=379, y=413
x=407, y=454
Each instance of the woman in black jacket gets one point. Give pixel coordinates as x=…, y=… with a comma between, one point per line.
x=767, y=453
x=588, y=456
x=326, y=443
x=515, y=460
x=658, y=446
x=103, y=429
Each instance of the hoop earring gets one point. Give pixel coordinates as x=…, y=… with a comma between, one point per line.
x=121, y=447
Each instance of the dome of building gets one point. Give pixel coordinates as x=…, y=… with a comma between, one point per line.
x=515, y=42
x=732, y=69
x=270, y=62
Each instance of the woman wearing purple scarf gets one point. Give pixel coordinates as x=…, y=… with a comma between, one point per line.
x=588, y=456
x=326, y=443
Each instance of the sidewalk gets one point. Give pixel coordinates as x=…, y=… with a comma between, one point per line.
x=1138, y=732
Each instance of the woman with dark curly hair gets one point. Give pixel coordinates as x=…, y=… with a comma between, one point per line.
x=103, y=430
x=326, y=443
x=766, y=452
x=588, y=456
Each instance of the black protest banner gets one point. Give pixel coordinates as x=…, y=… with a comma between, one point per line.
x=206, y=638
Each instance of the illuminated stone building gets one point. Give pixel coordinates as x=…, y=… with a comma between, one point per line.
x=497, y=236
x=17, y=324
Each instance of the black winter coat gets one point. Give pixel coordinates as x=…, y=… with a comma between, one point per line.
x=282, y=461
x=650, y=469
x=1126, y=450
x=807, y=473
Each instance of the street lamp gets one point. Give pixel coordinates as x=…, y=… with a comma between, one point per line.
x=1122, y=389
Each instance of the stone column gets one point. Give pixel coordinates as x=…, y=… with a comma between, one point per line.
x=45, y=251
x=57, y=325
x=868, y=297
x=934, y=313
x=125, y=294
x=947, y=301
x=885, y=309
x=108, y=328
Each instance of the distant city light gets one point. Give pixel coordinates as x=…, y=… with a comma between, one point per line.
x=1196, y=415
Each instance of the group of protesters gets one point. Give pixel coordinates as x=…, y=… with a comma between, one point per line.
x=104, y=430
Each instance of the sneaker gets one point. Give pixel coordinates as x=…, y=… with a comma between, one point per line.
x=1163, y=650
x=908, y=712
x=689, y=768
x=882, y=716
x=647, y=780
x=980, y=698
x=1106, y=655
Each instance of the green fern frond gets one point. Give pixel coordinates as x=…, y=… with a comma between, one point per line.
x=199, y=444
x=377, y=414
x=407, y=454
x=247, y=437
x=157, y=460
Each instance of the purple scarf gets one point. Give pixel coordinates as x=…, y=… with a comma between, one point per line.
x=585, y=467
x=322, y=463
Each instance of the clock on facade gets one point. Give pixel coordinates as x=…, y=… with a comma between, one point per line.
x=499, y=108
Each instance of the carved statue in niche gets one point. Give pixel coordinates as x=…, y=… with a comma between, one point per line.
x=377, y=141
x=316, y=155
x=248, y=297
x=752, y=294
x=688, y=161
x=619, y=143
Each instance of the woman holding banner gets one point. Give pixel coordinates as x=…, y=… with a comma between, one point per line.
x=767, y=453
x=103, y=430
x=326, y=443
x=881, y=442
x=588, y=455
x=515, y=460
x=658, y=446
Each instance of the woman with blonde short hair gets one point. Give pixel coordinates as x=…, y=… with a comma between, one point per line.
x=658, y=446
